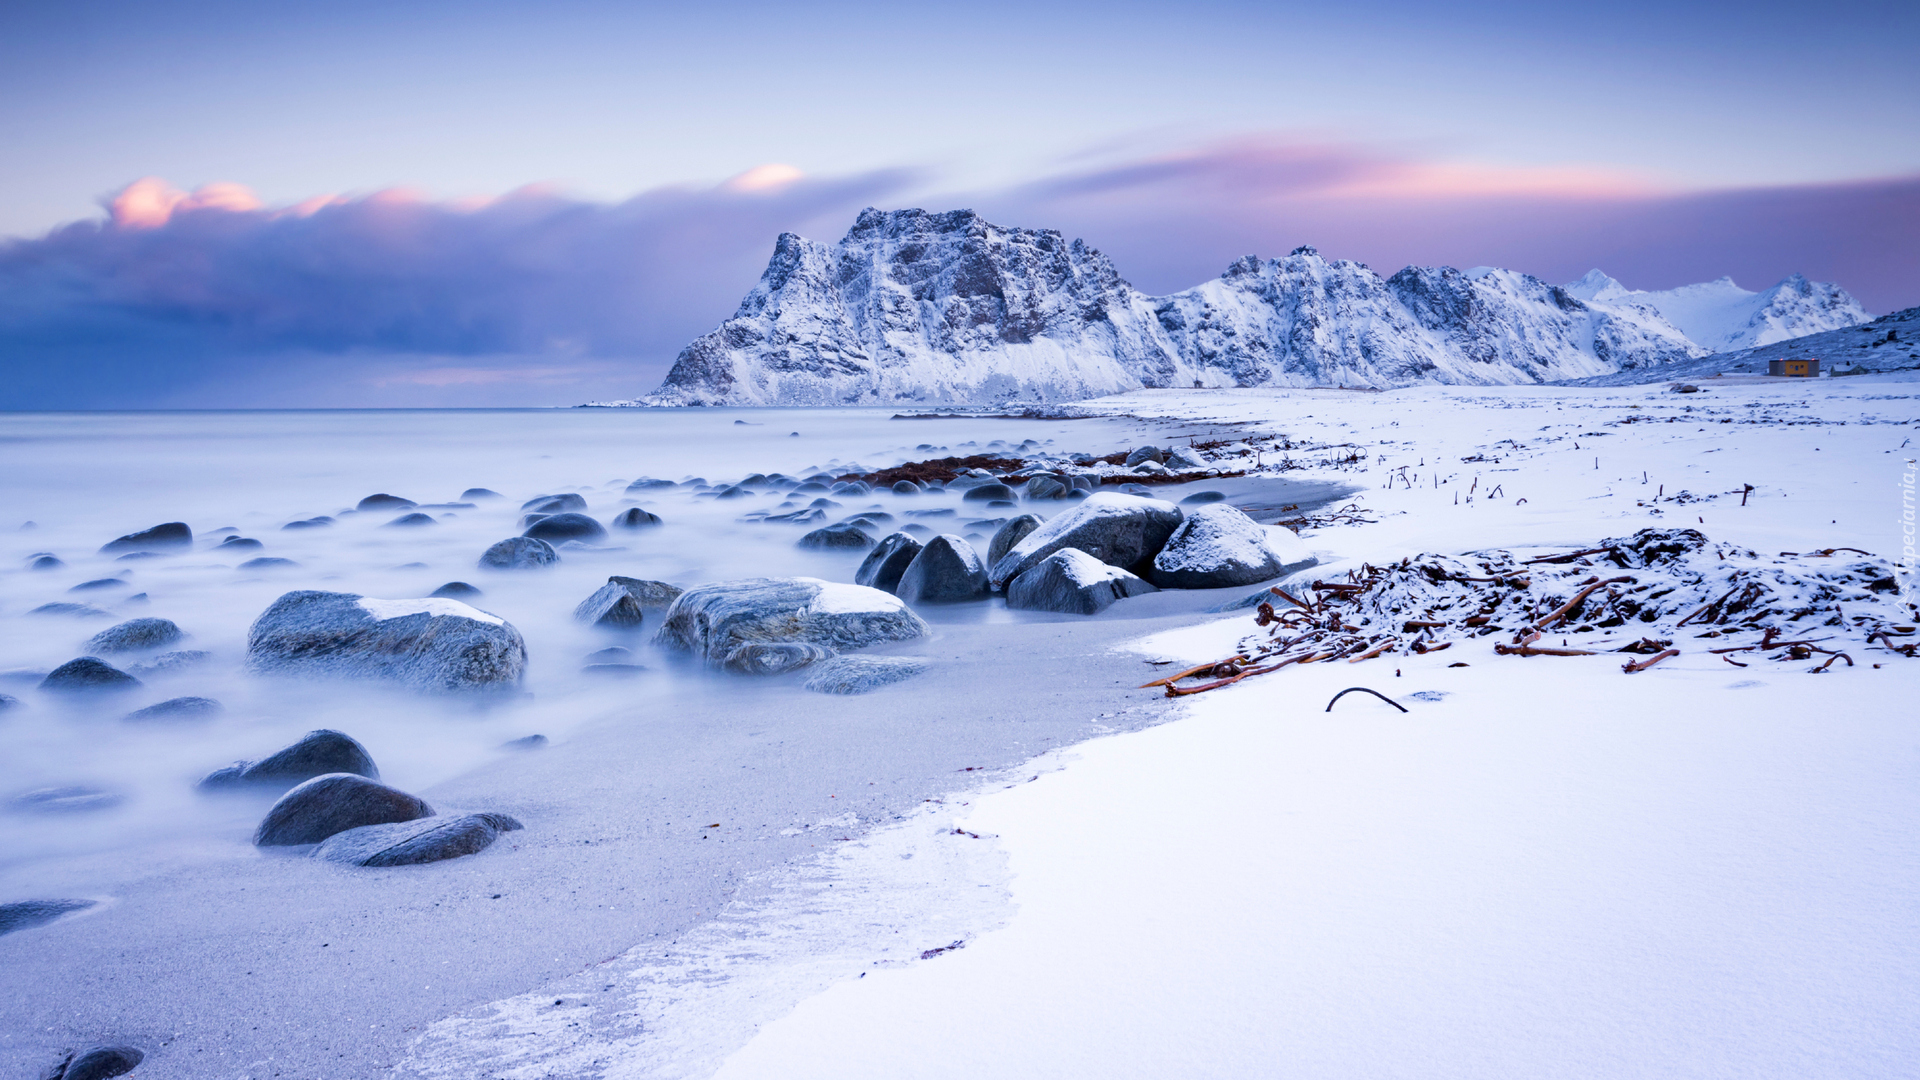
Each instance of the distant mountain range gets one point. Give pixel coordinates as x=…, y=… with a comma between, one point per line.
x=948, y=308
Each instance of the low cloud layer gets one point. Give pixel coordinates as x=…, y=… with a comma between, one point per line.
x=209, y=298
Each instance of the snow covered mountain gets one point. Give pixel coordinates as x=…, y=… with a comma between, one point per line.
x=1724, y=317
x=949, y=308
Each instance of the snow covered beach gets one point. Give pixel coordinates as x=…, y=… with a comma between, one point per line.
x=1374, y=840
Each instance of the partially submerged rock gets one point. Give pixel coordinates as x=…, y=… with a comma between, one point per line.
x=635, y=518
x=988, y=493
x=180, y=708
x=28, y=914
x=412, y=842
x=555, y=504
x=64, y=800
x=519, y=553
x=713, y=620
x=1073, y=582
x=557, y=528
x=411, y=521
x=136, y=635
x=384, y=501
x=889, y=559
x=845, y=536
x=1217, y=546
x=859, y=674
x=947, y=571
x=318, y=753
x=457, y=590
x=169, y=662
x=649, y=594
x=99, y=1063
x=86, y=675
x=173, y=536
x=78, y=611
x=426, y=644
x=610, y=606
x=1010, y=534
x=334, y=803
x=1120, y=530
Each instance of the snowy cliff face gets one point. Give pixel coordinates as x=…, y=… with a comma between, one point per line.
x=948, y=308
x=1722, y=316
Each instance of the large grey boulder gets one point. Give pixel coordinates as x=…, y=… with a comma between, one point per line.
x=1184, y=459
x=88, y=674
x=1146, y=453
x=947, y=571
x=1010, y=534
x=1073, y=582
x=316, y=754
x=1217, y=546
x=409, y=843
x=988, y=493
x=173, y=536
x=135, y=635
x=426, y=644
x=331, y=804
x=713, y=620
x=611, y=606
x=558, y=528
x=774, y=657
x=882, y=567
x=859, y=674
x=519, y=553
x=1120, y=530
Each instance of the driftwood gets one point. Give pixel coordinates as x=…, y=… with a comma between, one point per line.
x=1637, y=666
x=1578, y=599
x=1364, y=690
x=1528, y=650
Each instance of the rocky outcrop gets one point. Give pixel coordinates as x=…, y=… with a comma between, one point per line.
x=1120, y=530
x=712, y=621
x=427, y=644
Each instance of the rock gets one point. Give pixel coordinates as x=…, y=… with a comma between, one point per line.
x=859, y=674
x=850, y=487
x=1008, y=535
x=774, y=657
x=136, y=635
x=425, y=644
x=64, y=800
x=239, y=543
x=555, y=504
x=527, y=520
x=78, y=611
x=331, y=804
x=88, y=674
x=138, y=599
x=823, y=503
x=1146, y=453
x=988, y=493
x=567, y=526
x=167, y=663
x=713, y=620
x=635, y=518
x=456, y=590
x=8, y=703
x=525, y=742
x=98, y=584
x=1046, y=487
x=611, y=606
x=410, y=843
x=268, y=562
x=1184, y=459
x=318, y=753
x=612, y=654
x=648, y=484
x=99, y=1063
x=45, y=562
x=410, y=521
x=385, y=502
x=650, y=594
x=1073, y=582
x=947, y=571
x=1218, y=546
x=845, y=536
x=309, y=523
x=886, y=562
x=180, y=708
x=1151, y=468
x=1119, y=530
x=28, y=914
x=1201, y=498
x=1686, y=388
x=173, y=536
x=905, y=487
x=809, y=516
x=735, y=491
x=1085, y=482
x=519, y=553
x=479, y=493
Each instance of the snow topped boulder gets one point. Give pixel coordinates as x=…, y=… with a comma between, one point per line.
x=946, y=571
x=1218, y=546
x=714, y=620
x=428, y=644
x=1120, y=530
x=1073, y=582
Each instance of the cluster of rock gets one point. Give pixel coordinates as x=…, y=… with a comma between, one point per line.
x=427, y=644
x=770, y=626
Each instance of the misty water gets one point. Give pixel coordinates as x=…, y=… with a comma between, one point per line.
x=83, y=479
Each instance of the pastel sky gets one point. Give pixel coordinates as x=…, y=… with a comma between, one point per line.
x=491, y=203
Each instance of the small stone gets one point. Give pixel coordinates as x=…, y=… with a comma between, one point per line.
x=172, y=536
x=479, y=493
x=88, y=674
x=457, y=590
x=1046, y=487
x=180, y=708
x=1119, y=530
x=99, y=1063
x=635, y=518
x=1201, y=498
x=650, y=484
x=239, y=543
x=906, y=487
x=519, y=553
x=860, y=674
x=566, y=526
x=268, y=562
x=1184, y=459
x=410, y=521
x=411, y=843
x=136, y=635
x=432, y=645
x=309, y=523
x=844, y=536
x=334, y=803
x=525, y=742
x=45, y=562
x=28, y=914
x=385, y=502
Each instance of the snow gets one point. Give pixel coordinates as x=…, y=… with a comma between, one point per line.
x=1721, y=316
x=382, y=610
x=840, y=598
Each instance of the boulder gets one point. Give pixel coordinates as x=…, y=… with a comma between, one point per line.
x=384, y=501
x=45, y=562
x=1120, y=530
x=456, y=590
x=519, y=553
x=170, y=662
x=555, y=504
x=318, y=753
x=180, y=708
x=1073, y=582
x=567, y=526
x=713, y=620
x=478, y=493
x=1146, y=453
x=1217, y=546
x=334, y=803
x=410, y=521
x=135, y=635
x=88, y=674
x=988, y=493
x=635, y=518
x=173, y=536
x=268, y=562
x=1010, y=534
x=1152, y=468
x=1201, y=498
x=78, y=611
x=308, y=523
x=1046, y=487
x=426, y=644
x=845, y=536
x=886, y=562
x=1184, y=459
x=905, y=487
x=947, y=571
x=774, y=657
x=611, y=606
x=859, y=674
x=28, y=914
x=650, y=594
x=735, y=491
x=412, y=842
x=239, y=543
x=99, y=1063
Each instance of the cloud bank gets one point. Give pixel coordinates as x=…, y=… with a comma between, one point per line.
x=210, y=299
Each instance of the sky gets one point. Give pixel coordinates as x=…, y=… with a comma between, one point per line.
x=226, y=204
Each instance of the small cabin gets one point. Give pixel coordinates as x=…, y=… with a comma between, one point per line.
x=1801, y=368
